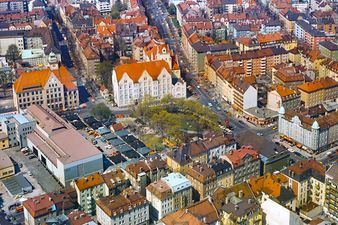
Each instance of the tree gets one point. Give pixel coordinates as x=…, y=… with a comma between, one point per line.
x=104, y=69
x=172, y=9
x=117, y=8
x=13, y=53
x=101, y=111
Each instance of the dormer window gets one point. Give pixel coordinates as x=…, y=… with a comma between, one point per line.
x=163, y=50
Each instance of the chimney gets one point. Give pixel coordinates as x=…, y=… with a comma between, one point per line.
x=240, y=194
x=227, y=199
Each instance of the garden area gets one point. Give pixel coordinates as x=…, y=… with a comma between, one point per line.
x=174, y=119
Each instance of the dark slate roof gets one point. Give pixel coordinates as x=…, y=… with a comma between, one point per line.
x=13, y=33
x=262, y=145
x=310, y=29
x=286, y=195
x=292, y=16
x=329, y=45
x=221, y=167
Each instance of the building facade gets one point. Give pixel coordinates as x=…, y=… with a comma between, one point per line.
x=245, y=162
x=331, y=183
x=16, y=127
x=131, y=82
x=53, y=87
x=64, y=152
x=203, y=179
x=6, y=166
x=318, y=91
x=129, y=207
x=314, y=134
x=168, y=195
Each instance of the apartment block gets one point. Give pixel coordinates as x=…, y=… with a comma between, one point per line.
x=274, y=187
x=144, y=172
x=211, y=147
x=88, y=190
x=224, y=173
x=318, y=91
x=282, y=96
x=331, y=186
x=39, y=209
x=54, y=87
x=245, y=163
x=16, y=127
x=234, y=204
x=169, y=194
x=203, y=179
x=129, y=207
x=288, y=76
x=310, y=35
x=307, y=180
x=14, y=6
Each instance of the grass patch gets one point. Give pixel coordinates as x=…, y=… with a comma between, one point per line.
x=153, y=142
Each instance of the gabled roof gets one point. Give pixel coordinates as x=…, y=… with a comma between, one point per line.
x=37, y=79
x=322, y=83
x=135, y=70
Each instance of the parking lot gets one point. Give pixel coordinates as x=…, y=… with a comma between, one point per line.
x=35, y=172
x=119, y=147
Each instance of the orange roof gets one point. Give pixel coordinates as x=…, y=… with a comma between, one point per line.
x=284, y=91
x=265, y=38
x=135, y=70
x=90, y=54
x=319, y=84
x=89, y=182
x=269, y=184
x=36, y=80
x=237, y=156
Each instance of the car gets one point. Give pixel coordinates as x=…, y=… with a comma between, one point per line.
x=198, y=87
x=108, y=146
x=209, y=104
x=31, y=157
x=29, y=173
x=259, y=134
x=241, y=122
x=218, y=108
x=298, y=154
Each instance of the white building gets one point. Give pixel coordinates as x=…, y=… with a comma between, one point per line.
x=275, y=214
x=8, y=38
x=131, y=82
x=128, y=208
x=64, y=152
x=16, y=127
x=168, y=195
x=311, y=133
x=104, y=6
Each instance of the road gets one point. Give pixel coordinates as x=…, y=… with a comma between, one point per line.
x=159, y=16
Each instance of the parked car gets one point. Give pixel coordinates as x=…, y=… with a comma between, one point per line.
x=31, y=157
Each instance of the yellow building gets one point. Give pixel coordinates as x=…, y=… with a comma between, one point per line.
x=329, y=68
x=6, y=166
x=3, y=141
x=318, y=91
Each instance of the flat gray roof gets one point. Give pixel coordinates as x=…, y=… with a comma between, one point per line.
x=261, y=113
x=16, y=185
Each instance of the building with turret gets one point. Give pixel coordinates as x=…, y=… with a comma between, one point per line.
x=314, y=133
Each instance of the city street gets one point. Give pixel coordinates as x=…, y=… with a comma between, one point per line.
x=170, y=33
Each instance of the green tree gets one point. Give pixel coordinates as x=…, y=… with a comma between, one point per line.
x=12, y=53
x=104, y=70
x=172, y=9
x=117, y=8
x=101, y=111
